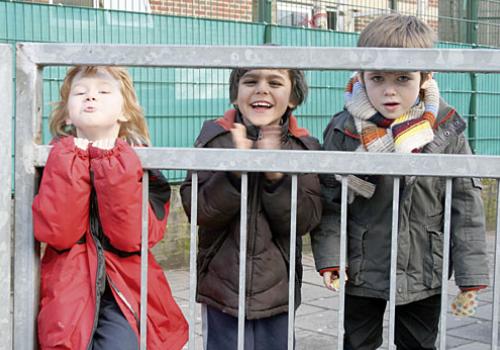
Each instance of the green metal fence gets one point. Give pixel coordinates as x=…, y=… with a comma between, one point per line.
x=176, y=101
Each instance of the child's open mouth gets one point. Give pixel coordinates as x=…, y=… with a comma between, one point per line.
x=391, y=105
x=261, y=106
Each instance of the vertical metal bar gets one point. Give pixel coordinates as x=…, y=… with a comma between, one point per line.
x=343, y=256
x=26, y=252
x=394, y=260
x=192, y=260
x=496, y=280
x=243, y=260
x=5, y=195
x=144, y=260
x=291, y=278
x=446, y=256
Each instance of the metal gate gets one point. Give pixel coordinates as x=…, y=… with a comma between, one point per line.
x=31, y=58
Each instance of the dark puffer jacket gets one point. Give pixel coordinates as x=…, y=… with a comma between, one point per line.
x=421, y=221
x=268, y=226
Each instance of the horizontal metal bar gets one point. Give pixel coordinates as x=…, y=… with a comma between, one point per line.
x=395, y=164
x=310, y=58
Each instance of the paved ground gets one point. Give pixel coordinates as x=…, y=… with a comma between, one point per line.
x=316, y=320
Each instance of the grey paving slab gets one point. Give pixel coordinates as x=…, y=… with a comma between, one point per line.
x=473, y=346
x=325, y=302
x=306, y=340
x=316, y=319
x=486, y=295
x=479, y=332
x=456, y=342
x=453, y=322
x=323, y=322
x=307, y=309
x=312, y=292
x=178, y=281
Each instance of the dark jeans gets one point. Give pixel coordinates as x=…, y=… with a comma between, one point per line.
x=113, y=331
x=220, y=331
x=416, y=323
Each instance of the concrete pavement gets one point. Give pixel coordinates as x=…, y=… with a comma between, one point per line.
x=316, y=319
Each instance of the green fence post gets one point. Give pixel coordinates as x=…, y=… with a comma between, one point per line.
x=265, y=16
x=393, y=5
x=472, y=26
x=265, y=11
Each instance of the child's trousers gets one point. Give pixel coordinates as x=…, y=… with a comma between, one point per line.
x=416, y=323
x=113, y=331
x=220, y=331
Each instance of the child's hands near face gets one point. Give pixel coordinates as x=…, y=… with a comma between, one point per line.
x=240, y=140
x=270, y=139
x=239, y=134
x=105, y=144
x=81, y=143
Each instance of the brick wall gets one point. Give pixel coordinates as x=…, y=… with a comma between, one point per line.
x=238, y=10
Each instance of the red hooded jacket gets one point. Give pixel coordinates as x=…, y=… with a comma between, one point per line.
x=88, y=211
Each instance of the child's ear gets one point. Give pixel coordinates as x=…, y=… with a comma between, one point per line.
x=123, y=118
x=292, y=104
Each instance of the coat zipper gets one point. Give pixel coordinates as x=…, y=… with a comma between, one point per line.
x=125, y=301
x=101, y=267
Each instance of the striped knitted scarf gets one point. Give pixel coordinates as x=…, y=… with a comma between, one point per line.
x=405, y=134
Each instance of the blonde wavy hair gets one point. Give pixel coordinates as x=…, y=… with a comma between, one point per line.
x=134, y=130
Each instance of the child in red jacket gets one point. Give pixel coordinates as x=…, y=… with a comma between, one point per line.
x=88, y=212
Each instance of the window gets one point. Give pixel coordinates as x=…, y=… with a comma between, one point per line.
x=293, y=15
x=331, y=16
x=298, y=15
x=128, y=5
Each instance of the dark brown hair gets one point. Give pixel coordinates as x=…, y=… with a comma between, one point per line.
x=299, y=84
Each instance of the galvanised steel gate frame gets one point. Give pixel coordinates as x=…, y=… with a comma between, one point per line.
x=31, y=58
x=5, y=195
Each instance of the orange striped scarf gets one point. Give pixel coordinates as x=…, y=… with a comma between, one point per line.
x=405, y=134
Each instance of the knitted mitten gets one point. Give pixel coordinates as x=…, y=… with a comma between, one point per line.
x=336, y=284
x=465, y=303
